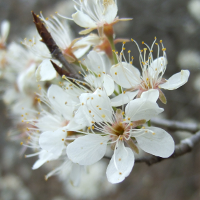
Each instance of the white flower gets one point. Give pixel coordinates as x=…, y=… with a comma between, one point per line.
x=72, y=49
x=97, y=77
x=129, y=77
x=48, y=133
x=95, y=14
x=119, y=128
x=5, y=28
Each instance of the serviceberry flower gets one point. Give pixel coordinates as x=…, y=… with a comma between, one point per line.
x=98, y=14
x=119, y=128
x=129, y=77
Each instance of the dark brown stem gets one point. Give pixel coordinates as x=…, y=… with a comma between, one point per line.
x=54, y=49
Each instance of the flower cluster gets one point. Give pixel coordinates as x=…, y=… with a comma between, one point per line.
x=90, y=102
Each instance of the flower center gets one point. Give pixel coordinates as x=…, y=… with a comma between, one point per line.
x=118, y=129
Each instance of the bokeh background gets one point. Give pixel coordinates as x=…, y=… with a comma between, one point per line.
x=177, y=23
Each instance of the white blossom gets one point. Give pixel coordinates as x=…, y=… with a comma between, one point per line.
x=95, y=14
x=117, y=128
x=129, y=77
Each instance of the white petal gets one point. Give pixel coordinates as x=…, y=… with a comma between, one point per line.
x=142, y=109
x=62, y=101
x=25, y=76
x=44, y=156
x=97, y=105
x=45, y=71
x=88, y=149
x=73, y=126
x=122, y=99
x=95, y=63
x=50, y=122
x=108, y=84
x=176, y=81
x=150, y=95
x=157, y=66
x=111, y=12
x=94, y=81
x=121, y=164
x=53, y=141
x=83, y=20
x=75, y=174
x=5, y=27
x=81, y=51
x=159, y=143
x=125, y=75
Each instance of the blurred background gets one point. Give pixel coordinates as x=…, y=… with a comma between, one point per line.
x=177, y=23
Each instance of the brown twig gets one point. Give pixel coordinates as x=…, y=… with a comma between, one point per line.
x=176, y=125
x=54, y=49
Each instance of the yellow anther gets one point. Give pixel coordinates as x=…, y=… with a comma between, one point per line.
x=129, y=118
x=155, y=38
x=99, y=108
x=160, y=41
x=142, y=42
x=89, y=111
x=21, y=143
x=92, y=127
x=124, y=42
x=123, y=113
x=132, y=40
x=164, y=49
x=124, y=48
x=103, y=116
x=115, y=73
x=129, y=51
